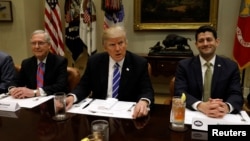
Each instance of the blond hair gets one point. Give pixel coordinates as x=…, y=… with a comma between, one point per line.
x=113, y=32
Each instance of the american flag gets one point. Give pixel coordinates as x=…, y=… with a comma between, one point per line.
x=241, y=49
x=53, y=26
x=87, y=26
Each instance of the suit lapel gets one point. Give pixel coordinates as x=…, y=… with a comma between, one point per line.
x=126, y=71
x=198, y=73
x=33, y=70
x=103, y=72
x=217, y=73
x=48, y=66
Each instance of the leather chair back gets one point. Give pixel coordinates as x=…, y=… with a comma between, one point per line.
x=149, y=70
x=171, y=92
x=17, y=67
x=74, y=77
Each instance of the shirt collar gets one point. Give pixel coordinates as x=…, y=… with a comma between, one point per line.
x=44, y=61
x=203, y=61
x=112, y=62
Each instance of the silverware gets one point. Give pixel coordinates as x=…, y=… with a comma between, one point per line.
x=130, y=108
x=242, y=118
x=88, y=103
x=101, y=112
x=36, y=99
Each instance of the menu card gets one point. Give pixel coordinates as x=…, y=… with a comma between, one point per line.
x=108, y=108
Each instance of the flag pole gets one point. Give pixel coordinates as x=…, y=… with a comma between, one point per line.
x=90, y=26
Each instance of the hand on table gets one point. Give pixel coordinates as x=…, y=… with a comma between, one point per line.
x=141, y=109
x=214, y=108
x=21, y=92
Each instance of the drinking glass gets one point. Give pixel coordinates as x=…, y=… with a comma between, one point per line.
x=60, y=106
x=178, y=113
x=101, y=126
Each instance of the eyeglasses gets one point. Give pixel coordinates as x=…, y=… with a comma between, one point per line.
x=38, y=43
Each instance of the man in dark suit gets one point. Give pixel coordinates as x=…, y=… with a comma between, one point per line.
x=55, y=73
x=226, y=94
x=7, y=71
x=135, y=84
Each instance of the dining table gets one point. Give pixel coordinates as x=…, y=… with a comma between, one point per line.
x=37, y=124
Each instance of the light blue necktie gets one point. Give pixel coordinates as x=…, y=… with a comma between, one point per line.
x=116, y=80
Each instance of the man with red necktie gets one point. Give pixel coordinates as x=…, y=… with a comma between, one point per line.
x=54, y=77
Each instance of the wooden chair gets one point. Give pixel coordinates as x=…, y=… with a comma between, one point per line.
x=246, y=105
x=171, y=91
x=74, y=77
x=17, y=67
x=149, y=70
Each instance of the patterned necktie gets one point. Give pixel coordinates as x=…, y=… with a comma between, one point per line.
x=116, y=80
x=207, y=82
x=40, y=74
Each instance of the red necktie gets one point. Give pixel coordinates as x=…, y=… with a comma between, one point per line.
x=40, y=74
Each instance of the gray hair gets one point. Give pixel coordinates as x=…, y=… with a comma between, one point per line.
x=46, y=35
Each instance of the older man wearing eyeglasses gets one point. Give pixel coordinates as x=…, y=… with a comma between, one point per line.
x=42, y=74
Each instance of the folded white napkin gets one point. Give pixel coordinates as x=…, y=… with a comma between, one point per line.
x=107, y=104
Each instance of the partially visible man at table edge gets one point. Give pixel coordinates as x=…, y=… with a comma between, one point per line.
x=55, y=73
x=7, y=71
x=135, y=84
x=226, y=93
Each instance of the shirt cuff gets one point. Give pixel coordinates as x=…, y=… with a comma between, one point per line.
x=149, y=102
x=230, y=107
x=75, y=98
x=10, y=87
x=42, y=92
x=195, y=105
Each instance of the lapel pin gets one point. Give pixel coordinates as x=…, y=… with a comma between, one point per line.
x=127, y=69
x=219, y=65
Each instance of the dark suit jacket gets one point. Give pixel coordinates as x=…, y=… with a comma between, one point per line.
x=55, y=76
x=225, y=81
x=134, y=83
x=7, y=71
